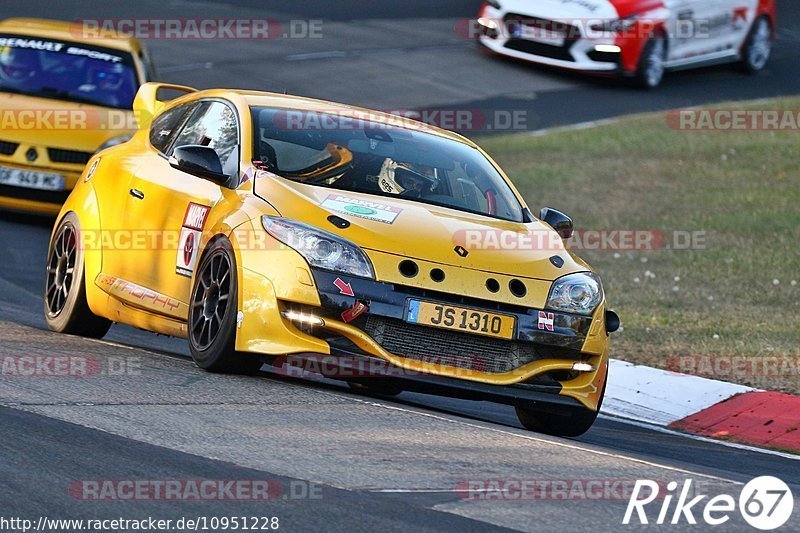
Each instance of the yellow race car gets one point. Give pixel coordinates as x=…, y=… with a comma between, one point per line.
x=269, y=228
x=63, y=97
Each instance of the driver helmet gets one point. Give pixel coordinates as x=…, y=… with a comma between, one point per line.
x=17, y=65
x=108, y=78
x=404, y=178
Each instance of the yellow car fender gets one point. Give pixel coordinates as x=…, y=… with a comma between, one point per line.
x=270, y=272
x=83, y=202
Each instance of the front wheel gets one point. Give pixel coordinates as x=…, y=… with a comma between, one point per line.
x=652, y=64
x=758, y=46
x=65, y=307
x=572, y=424
x=212, y=314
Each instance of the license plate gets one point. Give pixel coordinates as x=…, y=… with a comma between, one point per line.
x=460, y=319
x=30, y=179
x=542, y=35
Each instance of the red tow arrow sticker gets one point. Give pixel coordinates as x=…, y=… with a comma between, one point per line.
x=344, y=288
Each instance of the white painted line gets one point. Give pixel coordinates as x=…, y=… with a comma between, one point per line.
x=547, y=441
x=184, y=68
x=362, y=52
x=576, y=127
x=430, y=491
x=607, y=413
x=613, y=120
x=317, y=55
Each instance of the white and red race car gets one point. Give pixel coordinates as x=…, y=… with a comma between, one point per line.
x=640, y=39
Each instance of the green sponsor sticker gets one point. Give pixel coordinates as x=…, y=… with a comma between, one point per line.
x=358, y=210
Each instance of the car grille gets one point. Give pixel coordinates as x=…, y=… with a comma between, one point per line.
x=7, y=148
x=571, y=34
x=75, y=157
x=540, y=49
x=450, y=348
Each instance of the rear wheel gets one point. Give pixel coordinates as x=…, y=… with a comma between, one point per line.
x=572, y=424
x=652, y=64
x=758, y=46
x=65, y=307
x=212, y=314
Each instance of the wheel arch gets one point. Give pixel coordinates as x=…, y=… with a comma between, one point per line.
x=82, y=202
x=632, y=48
x=767, y=8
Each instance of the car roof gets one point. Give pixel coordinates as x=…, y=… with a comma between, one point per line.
x=67, y=31
x=258, y=98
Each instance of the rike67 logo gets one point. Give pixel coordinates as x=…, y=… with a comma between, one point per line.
x=766, y=503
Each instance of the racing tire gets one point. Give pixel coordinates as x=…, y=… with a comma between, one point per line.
x=574, y=424
x=651, y=68
x=757, y=47
x=213, y=309
x=65, y=307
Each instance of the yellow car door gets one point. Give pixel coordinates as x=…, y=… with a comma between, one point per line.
x=121, y=239
x=171, y=207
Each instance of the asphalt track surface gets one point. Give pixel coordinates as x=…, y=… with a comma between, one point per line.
x=374, y=463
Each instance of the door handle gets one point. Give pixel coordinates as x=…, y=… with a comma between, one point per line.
x=136, y=193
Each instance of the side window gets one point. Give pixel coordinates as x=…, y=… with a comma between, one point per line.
x=214, y=125
x=165, y=126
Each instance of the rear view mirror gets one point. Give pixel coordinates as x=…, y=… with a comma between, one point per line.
x=558, y=221
x=200, y=161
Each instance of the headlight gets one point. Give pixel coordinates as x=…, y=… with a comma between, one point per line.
x=320, y=248
x=119, y=139
x=487, y=23
x=576, y=293
x=615, y=26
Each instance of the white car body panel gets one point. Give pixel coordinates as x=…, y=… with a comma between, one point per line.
x=700, y=31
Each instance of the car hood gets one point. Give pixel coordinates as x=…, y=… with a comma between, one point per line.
x=426, y=232
x=563, y=9
x=32, y=120
x=580, y=9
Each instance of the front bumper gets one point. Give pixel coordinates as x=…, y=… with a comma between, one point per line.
x=535, y=365
x=582, y=56
x=580, y=50
x=374, y=372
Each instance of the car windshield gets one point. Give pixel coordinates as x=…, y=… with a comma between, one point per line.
x=377, y=156
x=67, y=71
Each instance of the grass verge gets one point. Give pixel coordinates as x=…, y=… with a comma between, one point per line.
x=736, y=291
